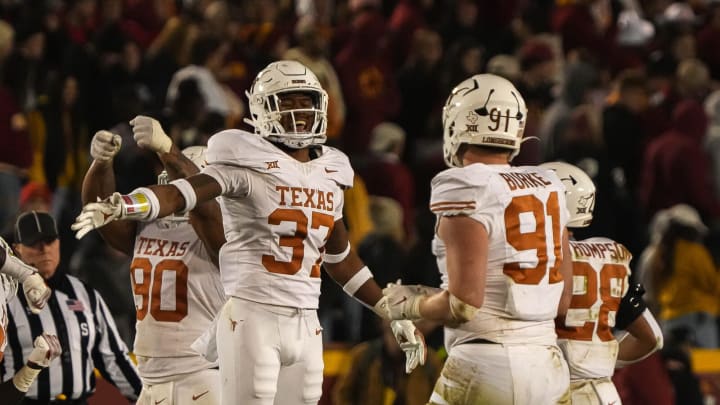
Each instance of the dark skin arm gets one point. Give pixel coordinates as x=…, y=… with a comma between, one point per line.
x=566, y=271
x=639, y=342
x=100, y=182
x=9, y=394
x=205, y=218
x=171, y=201
x=370, y=292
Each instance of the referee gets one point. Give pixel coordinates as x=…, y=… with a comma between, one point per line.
x=75, y=313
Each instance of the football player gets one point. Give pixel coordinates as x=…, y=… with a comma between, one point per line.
x=500, y=242
x=601, y=300
x=281, y=195
x=46, y=347
x=176, y=282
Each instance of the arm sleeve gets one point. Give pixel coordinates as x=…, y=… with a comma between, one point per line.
x=110, y=355
x=234, y=181
x=454, y=193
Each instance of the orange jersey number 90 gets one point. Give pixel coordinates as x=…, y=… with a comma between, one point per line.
x=535, y=240
x=151, y=287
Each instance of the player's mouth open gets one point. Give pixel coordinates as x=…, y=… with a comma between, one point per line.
x=300, y=126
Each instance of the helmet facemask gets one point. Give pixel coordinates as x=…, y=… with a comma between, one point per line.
x=295, y=118
x=288, y=105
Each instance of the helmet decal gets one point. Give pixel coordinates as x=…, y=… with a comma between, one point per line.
x=485, y=110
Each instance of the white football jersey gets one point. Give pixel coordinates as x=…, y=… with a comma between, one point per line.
x=600, y=280
x=278, y=213
x=177, y=295
x=523, y=210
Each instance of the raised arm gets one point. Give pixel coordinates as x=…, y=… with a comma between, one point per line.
x=147, y=203
x=205, y=218
x=99, y=183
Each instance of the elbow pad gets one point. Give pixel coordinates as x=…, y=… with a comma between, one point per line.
x=631, y=307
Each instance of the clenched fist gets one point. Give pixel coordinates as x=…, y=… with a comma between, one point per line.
x=105, y=145
x=149, y=134
x=46, y=348
x=36, y=292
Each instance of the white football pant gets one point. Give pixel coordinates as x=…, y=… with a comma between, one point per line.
x=497, y=374
x=269, y=354
x=201, y=388
x=598, y=391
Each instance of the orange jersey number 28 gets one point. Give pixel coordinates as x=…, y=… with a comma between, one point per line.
x=611, y=278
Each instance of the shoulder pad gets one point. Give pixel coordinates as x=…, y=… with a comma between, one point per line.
x=455, y=191
x=337, y=165
x=240, y=148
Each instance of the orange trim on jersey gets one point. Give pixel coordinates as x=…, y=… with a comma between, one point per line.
x=452, y=206
x=437, y=204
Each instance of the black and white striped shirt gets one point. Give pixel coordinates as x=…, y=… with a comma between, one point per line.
x=81, y=320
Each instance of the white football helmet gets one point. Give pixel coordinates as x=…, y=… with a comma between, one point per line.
x=288, y=76
x=483, y=110
x=579, y=192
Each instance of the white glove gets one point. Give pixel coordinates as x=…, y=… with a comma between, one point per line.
x=403, y=301
x=105, y=145
x=412, y=342
x=34, y=287
x=36, y=292
x=46, y=348
x=98, y=214
x=149, y=134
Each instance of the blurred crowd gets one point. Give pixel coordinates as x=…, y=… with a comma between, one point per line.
x=626, y=90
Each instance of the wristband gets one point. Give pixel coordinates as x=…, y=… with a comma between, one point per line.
x=142, y=204
x=24, y=378
x=338, y=257
x=357, y=280
x=188, y=193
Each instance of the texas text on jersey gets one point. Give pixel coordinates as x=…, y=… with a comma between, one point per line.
x=177, y=294
x=294, y=204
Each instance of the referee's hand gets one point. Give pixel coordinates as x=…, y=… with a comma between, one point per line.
x=36, y=291
x=46, y=348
